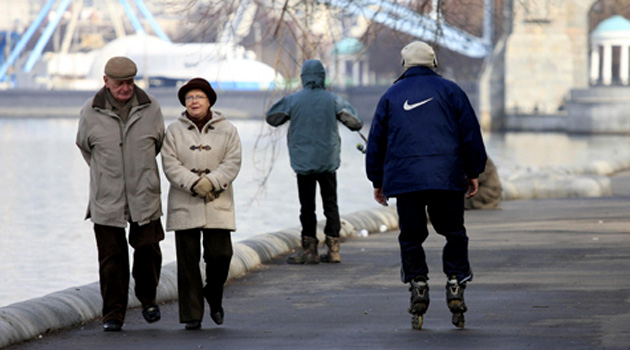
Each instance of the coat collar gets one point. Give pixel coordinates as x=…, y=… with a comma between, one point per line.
x=216, y=117
x=100, y=99
x=416, y=70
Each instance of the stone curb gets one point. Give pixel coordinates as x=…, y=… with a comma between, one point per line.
x=73, y=306
x=590, y=180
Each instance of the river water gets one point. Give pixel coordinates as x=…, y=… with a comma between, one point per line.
x=45, y=245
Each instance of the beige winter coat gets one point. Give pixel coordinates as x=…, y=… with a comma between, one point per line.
x=187, y=154
x=122, y=160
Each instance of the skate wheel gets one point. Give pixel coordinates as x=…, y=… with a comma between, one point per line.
x=458, y=320
x=418, y=308
x=416, y=321
x=457, y=306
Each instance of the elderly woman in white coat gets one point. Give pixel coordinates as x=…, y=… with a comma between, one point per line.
x=201, y=157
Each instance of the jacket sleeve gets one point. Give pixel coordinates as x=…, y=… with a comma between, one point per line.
x=347, y=114
x=229, y=166
x=177, y=174
x=474, y=151
x=377, y=144
x=82, y=140
x=279, y=113
x=160, y=128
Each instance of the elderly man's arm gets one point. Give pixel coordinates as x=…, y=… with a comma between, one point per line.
x=82, y=140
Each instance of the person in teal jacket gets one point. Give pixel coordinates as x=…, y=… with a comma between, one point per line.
x=314, y=148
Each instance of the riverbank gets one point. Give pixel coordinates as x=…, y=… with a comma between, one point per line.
x=44, y=104
x=583, y=180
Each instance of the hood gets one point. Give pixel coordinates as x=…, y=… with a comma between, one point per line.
x=313, y=74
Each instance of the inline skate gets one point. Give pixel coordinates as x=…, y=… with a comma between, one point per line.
x=455, y=301
x=419, y=301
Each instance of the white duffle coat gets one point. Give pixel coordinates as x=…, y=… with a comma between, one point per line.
x=187, y=154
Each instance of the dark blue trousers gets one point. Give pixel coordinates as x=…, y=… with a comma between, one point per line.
x=446, y=212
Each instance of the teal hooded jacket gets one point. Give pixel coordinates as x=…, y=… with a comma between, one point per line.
x=313, y=137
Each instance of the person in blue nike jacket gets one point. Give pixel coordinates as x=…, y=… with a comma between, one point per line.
x=425, y=149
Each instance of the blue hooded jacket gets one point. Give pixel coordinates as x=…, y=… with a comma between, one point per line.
x=313, y=137
x=424, y=136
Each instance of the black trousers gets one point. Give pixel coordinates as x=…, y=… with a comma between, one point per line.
x=113, y=257
x=446, y=211
x=306, y=191
x=217, y=254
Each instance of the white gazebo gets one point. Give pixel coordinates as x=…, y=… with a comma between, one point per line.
x=610, y=36
x=350, y=64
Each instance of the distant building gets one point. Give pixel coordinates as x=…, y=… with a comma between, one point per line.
x=350, y=64
x=610, y=45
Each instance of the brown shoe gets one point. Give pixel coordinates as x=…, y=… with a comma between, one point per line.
x=332, y=256
x=308, y=254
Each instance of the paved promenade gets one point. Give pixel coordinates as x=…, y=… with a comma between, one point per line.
x=549, y=274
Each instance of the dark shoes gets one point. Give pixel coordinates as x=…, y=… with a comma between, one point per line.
x=112, y=326
x=151, y=313
x=193, y=325
x=218, y=316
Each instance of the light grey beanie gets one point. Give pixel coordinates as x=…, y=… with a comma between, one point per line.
x=418, y=53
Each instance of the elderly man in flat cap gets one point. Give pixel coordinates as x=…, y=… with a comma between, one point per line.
x=121, y=130
x=425, y=148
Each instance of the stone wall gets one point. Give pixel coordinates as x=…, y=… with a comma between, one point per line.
x=546, y=55
x=599, y=110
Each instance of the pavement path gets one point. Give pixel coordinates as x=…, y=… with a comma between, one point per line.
x=549, y=274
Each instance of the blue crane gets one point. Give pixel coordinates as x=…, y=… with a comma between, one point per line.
x=405, y=20
x=54, y=22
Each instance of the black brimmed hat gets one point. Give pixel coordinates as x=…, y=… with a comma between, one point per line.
x=197, y=83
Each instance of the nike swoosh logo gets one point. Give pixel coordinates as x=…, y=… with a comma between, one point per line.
x=408, y=107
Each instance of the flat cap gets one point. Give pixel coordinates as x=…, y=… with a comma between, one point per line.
x=120, y=68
